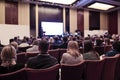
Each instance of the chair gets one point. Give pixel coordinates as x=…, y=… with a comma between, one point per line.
x=54, y=53
x=72, y=72
x=117, y=70
x=51, y=73
x=21, y=58
x=17, y=75
x=93, y=69
x=28, y=55
x=109, y=68
x=23, y=49
x=61, y=51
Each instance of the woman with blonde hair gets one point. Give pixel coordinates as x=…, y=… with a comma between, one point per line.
x=8, y=57
x=72, y=56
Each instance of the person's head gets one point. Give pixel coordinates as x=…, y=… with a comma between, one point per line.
x=99, y=42
x=43, y=46
x=73, y=48
x=8, y=53
x=14, y=44
x=65, y=39
x=88, y=45
x=35, y=42
x=116, y=46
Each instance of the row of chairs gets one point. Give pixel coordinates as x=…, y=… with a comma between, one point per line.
x=57, y=53
x=51, y=73
x=105, y=69
x=23, y=57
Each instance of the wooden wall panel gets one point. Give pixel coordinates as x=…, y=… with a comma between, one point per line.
x=33, y=20
x=94, y=20
x=73, y=20
x=11, y=12
x=67, y=17
x=2, y=12
x=80, y=21
x=113, y=22
x=23, y=14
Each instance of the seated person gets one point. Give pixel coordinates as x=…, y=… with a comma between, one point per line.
x=89, y=53
x=34, y=47
x=43, y=60
x=65, y=43
x=15, y=45
x=115, y=50
x=8, y=57
x=72, y=56
x=24, y=43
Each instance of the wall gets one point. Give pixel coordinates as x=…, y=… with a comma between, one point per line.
x=113, y=22
x=73, y=20
x=103, y=21
x=119, y=22
x=24, y=18
x=21, y=29
x=23, y=14
x=2, y=12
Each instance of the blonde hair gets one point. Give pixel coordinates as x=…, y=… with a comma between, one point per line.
x=8, y=53
x=14, y=44
x=73, y=48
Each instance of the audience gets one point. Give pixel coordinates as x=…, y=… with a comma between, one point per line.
x=34, y=47
x=24, y=43
x=65, y=42
x=115, y=50
x=43, y=60
x=8, y=57
x=15, y=45
x=72, y=56
x=89, y=52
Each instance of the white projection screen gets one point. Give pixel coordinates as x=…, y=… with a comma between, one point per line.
x=52, y=28
x=10, y=31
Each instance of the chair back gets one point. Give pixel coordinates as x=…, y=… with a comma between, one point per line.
x=109, y=68
x=50, y=73
x=93, y=69
x=28, y=55
x=17, y=75
x=21, y=58
x=54, y=53
x=72, y=72
x=117, y=70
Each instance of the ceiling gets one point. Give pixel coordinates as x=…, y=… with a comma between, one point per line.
x=79, y=4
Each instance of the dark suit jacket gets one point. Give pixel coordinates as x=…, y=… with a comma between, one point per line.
x=41, y=61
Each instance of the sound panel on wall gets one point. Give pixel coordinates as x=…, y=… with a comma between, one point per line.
x=11, y=12
x=94, y=20
x=80, y=21
x=49, y=14
x=32, y=20
x=67, y=19
x=113, y=22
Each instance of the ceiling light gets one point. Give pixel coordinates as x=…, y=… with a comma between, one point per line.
x=100, y=6
x=67, y=2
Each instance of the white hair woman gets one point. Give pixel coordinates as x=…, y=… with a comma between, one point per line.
x=72, y=56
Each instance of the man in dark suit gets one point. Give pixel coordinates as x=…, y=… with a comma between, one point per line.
x=43, y=60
